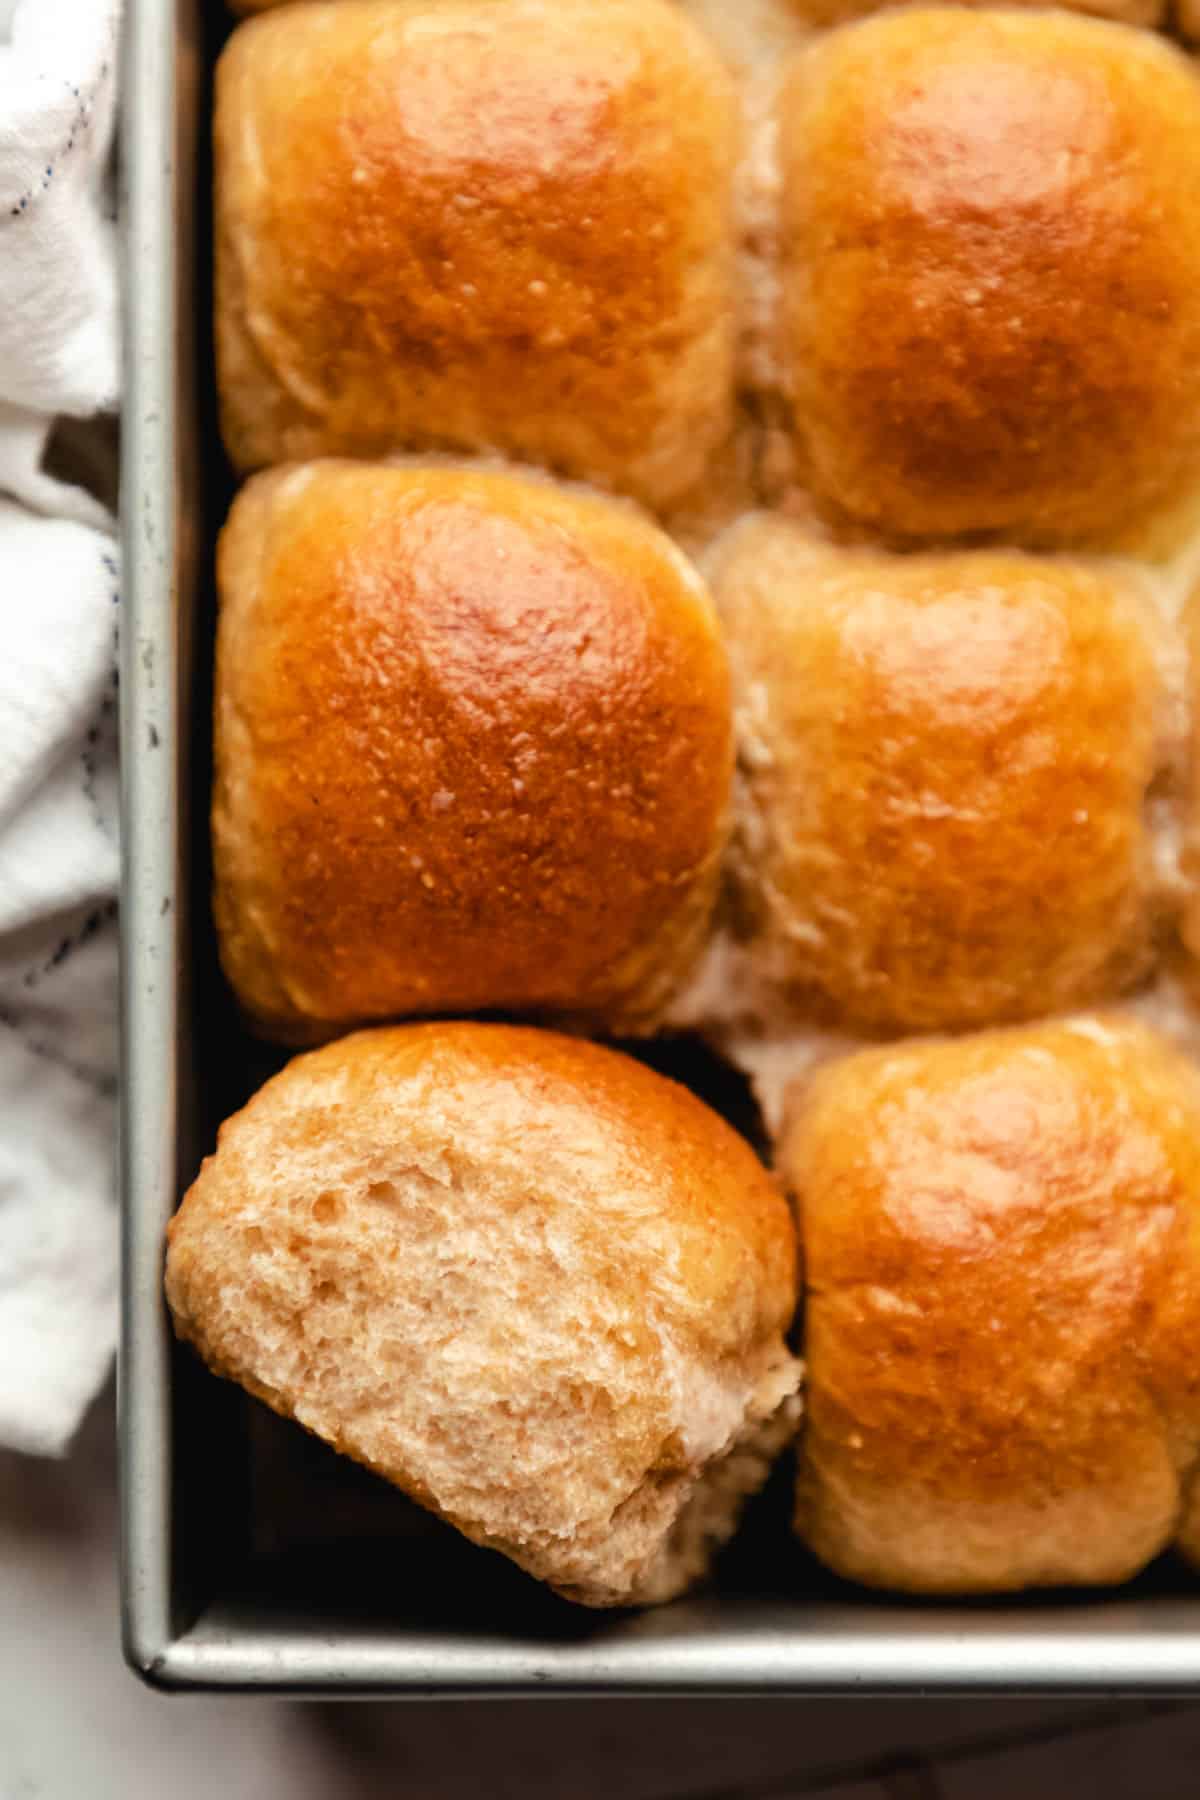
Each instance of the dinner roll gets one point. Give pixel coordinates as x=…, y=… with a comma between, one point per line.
x=473, y=750
x=477, y=224
x=835, y=12
x=1189, y=837
x=991, y=272
x=1001, y=1238
x=537, y=1286
x=944, y=768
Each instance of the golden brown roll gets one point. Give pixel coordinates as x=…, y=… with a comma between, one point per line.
x=944, y=768
x=836, y=12
x=1187, y=18
x=473, y=750
x=477, y=224
x=991, y=272
x=540, y=1288
x=1001, y=1239
x=1189, y=838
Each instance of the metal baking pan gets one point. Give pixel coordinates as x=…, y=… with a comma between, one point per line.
x=252, y=1557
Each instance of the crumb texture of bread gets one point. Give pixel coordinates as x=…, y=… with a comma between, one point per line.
x=1002, y=1257
x=710, y=1514
x=473, y=751
x=914, y=732
x=534, y=1284
x=991, y=272
x=486, y=225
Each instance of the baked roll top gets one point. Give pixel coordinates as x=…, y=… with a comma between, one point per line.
x=1002, y=1256
x=489, y=225
x=990, y=269
x=473, y=751
x=946, y=764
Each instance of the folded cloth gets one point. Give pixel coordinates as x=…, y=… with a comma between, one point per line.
x=58, y=827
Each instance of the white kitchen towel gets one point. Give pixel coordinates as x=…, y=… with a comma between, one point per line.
x=58, y=626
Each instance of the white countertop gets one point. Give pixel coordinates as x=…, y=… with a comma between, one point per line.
x=76, y=1725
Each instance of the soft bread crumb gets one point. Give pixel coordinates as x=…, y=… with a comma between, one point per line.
x=538, y=1287
x=710, y=1516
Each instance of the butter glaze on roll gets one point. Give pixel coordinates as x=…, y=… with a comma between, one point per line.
x=485, y=225
x=945, y=762
x=540, y=1288
x=1002, y=1253
x=473, y=751
x=991, y=273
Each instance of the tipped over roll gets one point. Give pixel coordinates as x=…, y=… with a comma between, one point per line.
x=540, y=1288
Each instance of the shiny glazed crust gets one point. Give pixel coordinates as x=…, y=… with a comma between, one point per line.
x=537, y=1286
x=991, y=272
x=1002, y=1256
x=944, y=760
x=485, y=225
x=473, y=751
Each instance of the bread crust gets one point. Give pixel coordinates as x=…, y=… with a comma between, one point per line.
x=1188, y=961
x=914, y=733
x=1148, y=13
x=1002, y=1257
x=540, y=1288
x=479, y=227
x=473, y=751
x=991, y=272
